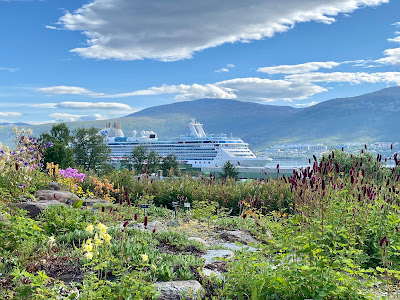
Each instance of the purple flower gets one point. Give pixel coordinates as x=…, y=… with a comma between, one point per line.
x=49, y=144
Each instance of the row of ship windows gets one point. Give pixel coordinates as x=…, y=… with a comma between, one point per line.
x=174, y=146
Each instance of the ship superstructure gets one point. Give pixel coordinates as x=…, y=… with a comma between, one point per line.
x=197, y=149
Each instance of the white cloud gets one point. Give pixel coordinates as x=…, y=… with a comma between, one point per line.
x=307, y=104
x=65, y=117
x=352, y=78
x=8, y=69
x=230, y=66
x=44, y=105
x=174, y=30
x=42, y=122
x=184, y=92
x=53, y=27
x=397, y=24
x=95, y=105
x=300, y=68
x=10, y=114
x=67, y=90
x=266, y=90
x=222, y=70
x=392, y=55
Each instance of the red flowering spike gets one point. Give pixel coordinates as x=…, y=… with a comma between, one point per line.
x=125, y=223
x=111, y=209
x=136, y=217
x=382, y=241
x=103, y=209
x=154, y=230
x=54, y=196
x=145, y=222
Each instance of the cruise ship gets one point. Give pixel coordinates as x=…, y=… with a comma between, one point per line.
x=198, y=149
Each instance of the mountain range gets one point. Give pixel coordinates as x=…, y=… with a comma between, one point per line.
x=365, y=118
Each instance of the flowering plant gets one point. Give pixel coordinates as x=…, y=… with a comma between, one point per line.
x=73, y=174
x=20, y=167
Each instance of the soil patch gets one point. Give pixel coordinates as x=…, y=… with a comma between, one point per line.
x=59, y=267
x=173, y=249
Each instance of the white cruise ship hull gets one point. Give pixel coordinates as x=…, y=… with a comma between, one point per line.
x=198, y=149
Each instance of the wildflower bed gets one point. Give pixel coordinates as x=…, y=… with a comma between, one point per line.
x=330, y=231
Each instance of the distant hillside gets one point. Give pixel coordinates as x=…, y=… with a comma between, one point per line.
x=366, y=118
x=218, y=115
x=14, y=124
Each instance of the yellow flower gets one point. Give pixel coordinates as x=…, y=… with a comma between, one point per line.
x=89, y=255
x=154, y=267
x=107, y=238
x=88, y=246
x=144, y=257
x=97, y=241
x=90, y=228
x=102, y=227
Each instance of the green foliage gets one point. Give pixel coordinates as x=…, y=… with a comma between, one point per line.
x=90, y=152
x=255, y=276
x=127, y=287
x=229, y=170
x=357, y=162
x=60, y=153
x=170, y=163
x=20, y=233
x=138, y=158
x=58, y=219
x=153, y=162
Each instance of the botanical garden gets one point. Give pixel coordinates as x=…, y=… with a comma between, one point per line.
x=71, y=228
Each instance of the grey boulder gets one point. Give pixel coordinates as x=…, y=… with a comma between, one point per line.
x=60, y=196
x=238, y=236
x=177, y=290
x=160, y=227
x=35, y=208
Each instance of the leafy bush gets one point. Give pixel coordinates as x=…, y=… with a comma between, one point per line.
x=58, y=219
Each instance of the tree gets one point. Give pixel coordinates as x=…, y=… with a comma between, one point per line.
x=89, y=149
x=60, y=153
x=169, y=163
x=138, y=157
x=230, y=171
x=153, y=162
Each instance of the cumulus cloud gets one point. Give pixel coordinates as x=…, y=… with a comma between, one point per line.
x=392, y=55
x=267, y=90
x=67, y=90
x=352, y=78
x=174, y=30
x=10, y=114
x=300, y=68
x=222, y=70
x=95, y=105
x=230, y=66
x=65, y=117
x=44, y=105
x=184, y=92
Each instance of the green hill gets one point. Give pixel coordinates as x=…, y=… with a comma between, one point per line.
x=365, y=118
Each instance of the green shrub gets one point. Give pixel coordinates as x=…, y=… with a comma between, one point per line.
x=58, y=219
